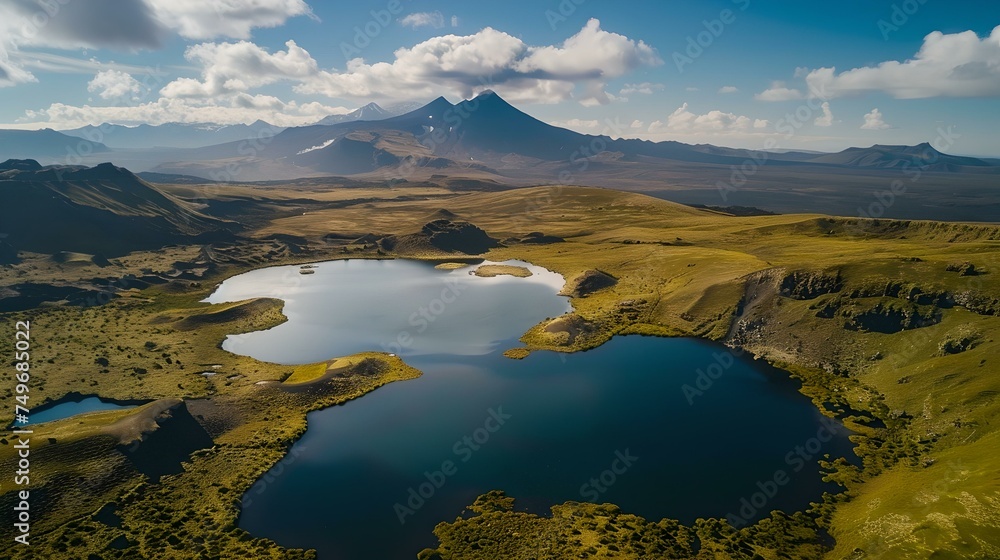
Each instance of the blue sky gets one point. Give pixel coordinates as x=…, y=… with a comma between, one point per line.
x=808, y=75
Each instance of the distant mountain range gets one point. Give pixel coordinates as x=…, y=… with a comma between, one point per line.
x=485, y=135
x=486, y=143
x=488, y=134
x=198, y=135
x=172, y=135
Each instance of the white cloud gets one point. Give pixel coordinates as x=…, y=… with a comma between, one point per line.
x=636, y=124
x=126, y=26
x=11, y=73
x=51, y=62
x=874, y=121
x=779, y=92
x=691, y=89
x=229, y=68
x=137, y=24
x=115, y=84
x=423, y=19
x=597, y=96
x=201, y=19
x=729, y=89
x=761, y=123
x=80, y=24
x=947, y=65
x=591, y=56
x=579, y=68
x=446, y=62
x=645, y=88
x=493, y=59
x=827, y=118
x=241, y=108
x=578, y=124
x=684, y=121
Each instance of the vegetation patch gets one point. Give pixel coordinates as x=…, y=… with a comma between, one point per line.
x=517, y=353
x=493, y=270
x=585, y=530
x=960, y=340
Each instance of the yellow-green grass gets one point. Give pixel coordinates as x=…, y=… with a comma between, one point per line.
x=679, y=271
x=493, y=270
x=517, y=353
x=310, y=373
x=303, y=374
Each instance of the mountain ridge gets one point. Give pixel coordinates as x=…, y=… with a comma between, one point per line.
x=369, y=112
x=102, y=209
x=488, y=128
x=172, y=134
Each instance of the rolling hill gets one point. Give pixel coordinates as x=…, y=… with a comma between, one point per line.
x=922, y=155
x=102, y=210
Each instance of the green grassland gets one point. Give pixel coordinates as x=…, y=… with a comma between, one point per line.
x=883, y=322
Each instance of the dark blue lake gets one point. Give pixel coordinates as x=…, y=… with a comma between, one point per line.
x=371, y=478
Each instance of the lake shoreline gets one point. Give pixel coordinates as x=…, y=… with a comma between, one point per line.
x=788, y=377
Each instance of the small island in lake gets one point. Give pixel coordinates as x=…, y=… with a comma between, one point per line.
x=493, y=270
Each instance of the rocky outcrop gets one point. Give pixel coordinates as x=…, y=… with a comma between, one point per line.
x=442, y=236
x=960, y=340
x=461, y=237
x=810, y=285
x=890, y=317
x=964, y=269
x=587, y=283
